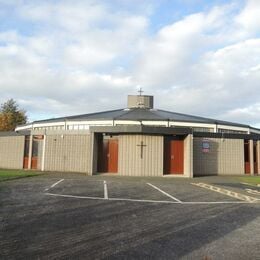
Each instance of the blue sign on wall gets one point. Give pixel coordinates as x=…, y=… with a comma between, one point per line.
x=205, y=146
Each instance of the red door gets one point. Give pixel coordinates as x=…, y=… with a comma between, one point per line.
x=173, y=157
x=108, y=155
x=26, y=162
x=113, y=155
x=26, y=152
x=34, y=163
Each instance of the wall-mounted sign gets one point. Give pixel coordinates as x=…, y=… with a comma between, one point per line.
x=205, y=146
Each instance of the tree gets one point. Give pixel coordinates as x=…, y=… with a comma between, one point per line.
x=11, y=115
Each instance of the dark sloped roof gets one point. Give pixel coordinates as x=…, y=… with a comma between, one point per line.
x=141, y=114
x=106, y=115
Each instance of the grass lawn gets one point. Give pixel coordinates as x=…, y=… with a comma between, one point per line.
x=254, y=180
x=6, y=175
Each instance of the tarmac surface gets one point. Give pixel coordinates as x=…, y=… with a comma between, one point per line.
x=72, y=216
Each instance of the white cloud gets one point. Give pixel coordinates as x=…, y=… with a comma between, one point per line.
x=190, y=72
x=168, y=57
x=65, y=60
x=85, y=56
x=221, y=81
x=249, y=18
x=249, y=114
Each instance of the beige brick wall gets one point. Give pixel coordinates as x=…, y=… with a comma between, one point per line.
x=129, y=159
x=71, y=153
x=258, y=156
x=188, y=156
x=11, y=152
x=226, y=157
x=40, y=152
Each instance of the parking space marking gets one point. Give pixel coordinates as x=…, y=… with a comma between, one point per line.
x=163, y=192
x=148, y=201
x=73, y=196
x=105, y=190
x=226, y=192
x=255, y=192
x=111, y=199
x=54, y=184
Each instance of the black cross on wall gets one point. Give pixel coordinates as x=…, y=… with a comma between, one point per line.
x=142, y=145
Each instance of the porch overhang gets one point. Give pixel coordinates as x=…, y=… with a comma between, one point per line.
x=141, y=129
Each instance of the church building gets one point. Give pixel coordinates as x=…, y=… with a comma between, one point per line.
x=135, y=141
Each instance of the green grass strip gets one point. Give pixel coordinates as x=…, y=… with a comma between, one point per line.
x=6, y=175
x=250, y=179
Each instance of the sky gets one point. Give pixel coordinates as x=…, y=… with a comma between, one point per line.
x=199, y=57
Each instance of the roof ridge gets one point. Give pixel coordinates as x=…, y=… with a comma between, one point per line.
x=133, y=110
x=182, y=114
x=153, y=111
x=130, y=111
x=127, y=111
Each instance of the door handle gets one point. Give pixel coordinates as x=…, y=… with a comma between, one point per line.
x=108, y=155
x=172, y=157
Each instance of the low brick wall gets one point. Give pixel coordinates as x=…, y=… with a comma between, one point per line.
x=11, y=152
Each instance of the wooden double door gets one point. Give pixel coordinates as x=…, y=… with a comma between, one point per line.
x=173, y=156
x=108, y=155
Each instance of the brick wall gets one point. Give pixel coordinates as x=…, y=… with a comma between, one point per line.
x=130, y=162
x=11, y=152
x=71, y=153
x=225, y=157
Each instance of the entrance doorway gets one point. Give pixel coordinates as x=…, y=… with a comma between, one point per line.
x=36, y=147
x=247, y=156
x=255, y=157
x=108, y=154
x=26, y=152
x=173, y=155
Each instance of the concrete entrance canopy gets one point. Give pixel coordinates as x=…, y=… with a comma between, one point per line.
x=133, y=159
x=140, y=129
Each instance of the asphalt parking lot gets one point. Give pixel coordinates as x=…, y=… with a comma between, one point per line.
x=58, y=216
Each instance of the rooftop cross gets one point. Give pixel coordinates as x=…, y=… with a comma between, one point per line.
x=140, y=91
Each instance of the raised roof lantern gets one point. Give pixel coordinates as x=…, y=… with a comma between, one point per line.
x=139, y=101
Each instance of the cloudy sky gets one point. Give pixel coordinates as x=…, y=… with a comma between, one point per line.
x=70, y=57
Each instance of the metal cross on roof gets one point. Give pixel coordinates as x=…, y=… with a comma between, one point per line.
x=142, y=145
x=140, y=91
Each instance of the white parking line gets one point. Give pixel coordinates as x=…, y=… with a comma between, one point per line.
x=163, y=192
x=54, y=184
x=105, y=190
x=255, y=192
x=148, y=201
x=73, y=196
